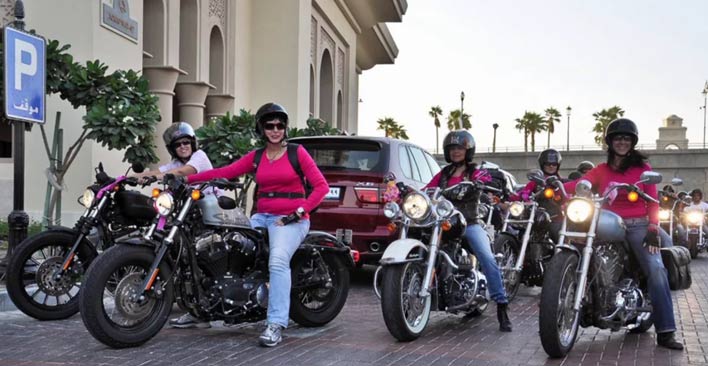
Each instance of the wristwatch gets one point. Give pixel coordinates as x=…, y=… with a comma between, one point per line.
x=300, y=211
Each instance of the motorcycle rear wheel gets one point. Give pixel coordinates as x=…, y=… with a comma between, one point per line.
x=30, y=281
x=507, y=246
x=405, y=313
x=315, y=307
x=107, y=309
x=558, y=322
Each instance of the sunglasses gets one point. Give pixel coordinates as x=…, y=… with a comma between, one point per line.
x=627, y=138
x=181, y=143
x=274, y=126
x=550, y=164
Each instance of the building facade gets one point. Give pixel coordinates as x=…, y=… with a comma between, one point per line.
x=204, y=58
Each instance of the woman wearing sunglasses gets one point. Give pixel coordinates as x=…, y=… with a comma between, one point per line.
x=281, y=207
x=624, y=165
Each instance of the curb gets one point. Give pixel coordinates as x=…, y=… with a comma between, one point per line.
x=5, y=302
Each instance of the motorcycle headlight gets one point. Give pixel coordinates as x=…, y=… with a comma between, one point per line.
x=87, y=198
x=579, y=210
x=164, y=203
x=391, y=209
x=416, y=206
x=695, y=218
x=444, y=208
x=664, y=215
x=516, y=209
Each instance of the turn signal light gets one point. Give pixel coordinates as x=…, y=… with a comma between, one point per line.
x=633, y=196
x=665, y=199
x=197, y=195
x=446, y=225
x=156, y=192
x=548, y=193
x=391, y=227
x=356, y=256
x=116, y=188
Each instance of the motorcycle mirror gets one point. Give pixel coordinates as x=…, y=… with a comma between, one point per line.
x=651, y=177
x=138, y=167
x=583, y=188
x=518, y=187
x=676, y=181
x=389, y=177
x=536, y=175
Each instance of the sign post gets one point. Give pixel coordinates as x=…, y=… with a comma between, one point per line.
x=24, y=87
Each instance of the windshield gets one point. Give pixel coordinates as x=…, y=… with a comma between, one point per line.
x=362, y=156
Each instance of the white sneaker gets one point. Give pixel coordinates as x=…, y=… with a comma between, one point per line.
x=188, y=321
x=271, y=336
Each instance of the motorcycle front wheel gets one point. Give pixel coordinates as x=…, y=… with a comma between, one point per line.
x=109, y=307
x=693, y=246
x=507, y=246
x=558, y=322
x=320, y=289
x=33, y=283
x=405, y=312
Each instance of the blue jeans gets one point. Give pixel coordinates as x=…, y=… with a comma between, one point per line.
x=284, y=241
x=657, y=280
x=479, y=241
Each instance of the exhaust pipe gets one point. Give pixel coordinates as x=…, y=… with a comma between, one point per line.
x=375, y=247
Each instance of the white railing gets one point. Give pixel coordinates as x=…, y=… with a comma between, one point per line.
x=592, y=147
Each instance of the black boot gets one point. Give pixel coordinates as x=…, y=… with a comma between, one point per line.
x=503, y=317
x=668, y=340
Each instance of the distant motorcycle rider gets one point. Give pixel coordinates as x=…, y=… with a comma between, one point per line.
x=459, y=148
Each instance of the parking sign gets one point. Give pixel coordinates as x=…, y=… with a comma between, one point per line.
x=25, y=76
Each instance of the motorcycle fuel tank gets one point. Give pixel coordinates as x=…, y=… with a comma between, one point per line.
x=610, y=227
x=214, y=215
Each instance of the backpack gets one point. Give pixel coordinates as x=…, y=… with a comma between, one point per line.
x=294, y=161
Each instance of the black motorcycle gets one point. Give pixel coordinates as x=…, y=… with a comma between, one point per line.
x=45, y=271
x=213, y=264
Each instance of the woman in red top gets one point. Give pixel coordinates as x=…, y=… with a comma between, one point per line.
x=281, y=207
x=625, y=165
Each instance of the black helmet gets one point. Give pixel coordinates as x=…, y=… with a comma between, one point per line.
x=462, y=138
x=268, y=111
x=177, y=131
x=585, y=165
x=549, y=156
x=621, y=126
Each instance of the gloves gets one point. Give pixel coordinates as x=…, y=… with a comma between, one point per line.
x=173, y=183
x=293, y=217
x=652, y=238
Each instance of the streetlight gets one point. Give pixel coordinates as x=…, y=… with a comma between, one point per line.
x=494, y=141
x=462, y=107
x=567, y=138
x=705, y=99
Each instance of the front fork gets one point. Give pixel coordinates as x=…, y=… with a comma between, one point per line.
x=430, y=265
x=585, y=261
x=87, y=222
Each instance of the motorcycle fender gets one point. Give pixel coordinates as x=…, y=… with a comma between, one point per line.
x=398, y=251
x=568, y=248
x=328, y=243
x=138, y=240
x=513, y=238
x=73, y=232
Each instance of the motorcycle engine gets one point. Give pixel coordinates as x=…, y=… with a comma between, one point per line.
x=242, y=294
x=224, y=254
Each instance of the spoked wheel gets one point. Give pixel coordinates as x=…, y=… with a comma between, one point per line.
x=320, y=289
x=111, y=307
x=35, y=280
x=405, y=312
x=558, y=321
x=506, y=245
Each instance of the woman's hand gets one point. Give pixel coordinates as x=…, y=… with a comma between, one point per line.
x=651, y=240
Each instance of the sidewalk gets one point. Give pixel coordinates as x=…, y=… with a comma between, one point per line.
x=5, y=303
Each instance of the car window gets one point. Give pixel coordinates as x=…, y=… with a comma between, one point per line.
x=363, y=156
x=434, y=166
x=405, y=162
x=422, y=165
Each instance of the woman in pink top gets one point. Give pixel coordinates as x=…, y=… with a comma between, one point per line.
x=625, y=165
x=282, y=207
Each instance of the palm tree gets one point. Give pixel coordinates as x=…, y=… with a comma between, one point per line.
x=552, y=117
x=535, y=124
x=603, y=118
x=453, y=121
x=521, y=125
x=436, y=112
x=392, y=128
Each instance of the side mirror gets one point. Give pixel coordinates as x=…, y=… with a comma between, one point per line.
x=583, y=188
x=138, y=167
x=389, y=177
x=518, y=187
x=536, y=175
x=651, y=177
x=676, y=181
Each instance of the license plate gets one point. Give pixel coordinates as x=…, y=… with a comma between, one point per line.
x=333, y=193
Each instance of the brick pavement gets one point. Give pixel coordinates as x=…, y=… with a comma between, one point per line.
x=359, y=337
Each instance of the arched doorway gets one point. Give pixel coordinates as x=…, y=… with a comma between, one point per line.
x=189, y=31
x=154, y=32
x=312, y=91
x=340, y=112
x=216, y=59
x=326, y=88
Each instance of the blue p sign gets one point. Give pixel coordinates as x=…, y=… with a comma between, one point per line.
x=25, y=76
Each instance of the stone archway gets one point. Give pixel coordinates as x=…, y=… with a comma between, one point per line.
x=216, y=59
x=326, y=88
x=340, y=112
x=154, y=32
x=188, y=38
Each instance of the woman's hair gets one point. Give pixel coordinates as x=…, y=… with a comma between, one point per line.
x=632, y=159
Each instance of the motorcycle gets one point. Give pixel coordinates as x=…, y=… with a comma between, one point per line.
x=696, y=240
x=45, y=271
x=213, y=264
x=428, y=268
x=593, y=278
x=524, y=244
x=667, y=207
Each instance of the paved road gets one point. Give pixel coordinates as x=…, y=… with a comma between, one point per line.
x=359, y=337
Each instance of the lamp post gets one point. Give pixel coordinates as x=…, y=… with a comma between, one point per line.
x=705, y=99
x=494, y=141
x=567, y=138
x=462, y=107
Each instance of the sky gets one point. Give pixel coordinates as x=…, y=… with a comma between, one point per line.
x=649, y=57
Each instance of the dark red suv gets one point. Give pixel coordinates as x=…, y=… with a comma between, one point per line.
x=354, y=167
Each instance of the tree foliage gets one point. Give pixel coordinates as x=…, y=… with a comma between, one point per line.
x=603, y=118
x=436, y=112
x=392, y=128
x=552, y=116
x=455, y=123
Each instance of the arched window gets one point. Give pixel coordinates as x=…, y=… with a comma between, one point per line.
x=340, y=112
x=312, y=91
x=216, y=59
x=326, y=88
x=154, y=31
x=188, y=33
